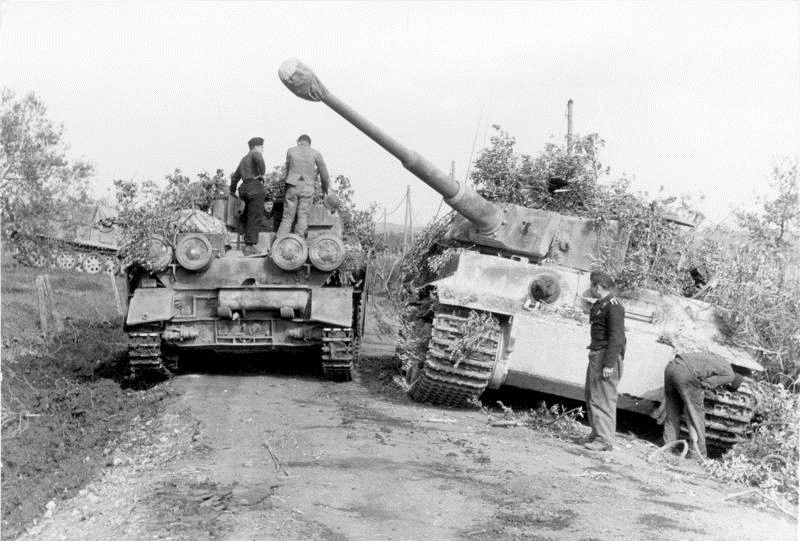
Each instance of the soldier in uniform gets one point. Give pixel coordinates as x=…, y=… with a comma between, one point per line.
x=606, y=351
x=684, y=382
x=251, y=172
x=303, y=163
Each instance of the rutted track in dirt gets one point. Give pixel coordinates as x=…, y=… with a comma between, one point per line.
x=285, y=457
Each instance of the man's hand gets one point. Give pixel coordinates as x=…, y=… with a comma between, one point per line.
x=607, y=372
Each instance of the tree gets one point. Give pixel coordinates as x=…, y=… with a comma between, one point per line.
x=779, y=216
x=359, y=223
x=37, y=183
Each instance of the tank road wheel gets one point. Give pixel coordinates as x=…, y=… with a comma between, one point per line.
x=66, y=259
x=110, y=265
x=444, y=381
x=92, y=263
x=337, y=354
x=144, y=353
x=728, y=416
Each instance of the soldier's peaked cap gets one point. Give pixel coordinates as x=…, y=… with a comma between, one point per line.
x=255, y=142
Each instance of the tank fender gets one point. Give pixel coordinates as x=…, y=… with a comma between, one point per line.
x=332, y=305
x=149, y=305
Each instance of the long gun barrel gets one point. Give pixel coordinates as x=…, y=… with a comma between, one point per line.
x=486, y=216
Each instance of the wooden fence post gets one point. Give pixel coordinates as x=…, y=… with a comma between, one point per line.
x=58, y=324
x=117, y=298
x=41, y=298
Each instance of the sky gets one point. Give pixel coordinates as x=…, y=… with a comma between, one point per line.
x=702, y=98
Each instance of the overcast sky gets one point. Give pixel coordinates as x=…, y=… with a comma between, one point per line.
x=700, y=97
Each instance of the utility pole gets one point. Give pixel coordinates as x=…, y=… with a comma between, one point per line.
x=408, y=223
x=385, y=230
x=569, y=127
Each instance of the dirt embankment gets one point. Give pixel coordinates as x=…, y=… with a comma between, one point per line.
x=64, y=402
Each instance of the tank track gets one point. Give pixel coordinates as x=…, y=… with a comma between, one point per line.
x=443, y=383
x=144, y=354
x=728, y=415
x=338, y=352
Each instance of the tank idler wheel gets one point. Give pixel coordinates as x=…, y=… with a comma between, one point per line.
x=66, y=259
x=443, y=381
x=92, y=263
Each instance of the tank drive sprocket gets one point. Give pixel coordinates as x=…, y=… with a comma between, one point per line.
x=144, y=353
x=337, y=353
x=447, y=382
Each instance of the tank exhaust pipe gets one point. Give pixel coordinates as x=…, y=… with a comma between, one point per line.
x=486, y=216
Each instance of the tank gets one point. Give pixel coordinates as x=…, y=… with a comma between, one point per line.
x=201, y=293
x=509, y=302
x=85, y=241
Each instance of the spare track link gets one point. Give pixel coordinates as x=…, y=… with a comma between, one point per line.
x=338, y=352
x=443, y=382
x=144, y=354
x=728, y=415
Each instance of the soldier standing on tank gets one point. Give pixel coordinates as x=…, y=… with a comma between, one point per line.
x=684, y=382
x=303, y=163
x=251, y=172
x=606, y=351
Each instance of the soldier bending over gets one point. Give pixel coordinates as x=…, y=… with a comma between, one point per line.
x=684, y=381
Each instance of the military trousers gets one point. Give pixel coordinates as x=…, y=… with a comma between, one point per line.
x=683, y=393
x=296, y=203
x=601, y=398
x=253, y=194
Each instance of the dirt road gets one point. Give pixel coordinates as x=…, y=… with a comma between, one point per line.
x=291, y=457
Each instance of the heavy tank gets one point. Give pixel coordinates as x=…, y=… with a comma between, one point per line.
x=527, y=270
x=85, y=241
x=204, y=294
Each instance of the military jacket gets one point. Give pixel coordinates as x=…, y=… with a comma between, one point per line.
x=607, y=320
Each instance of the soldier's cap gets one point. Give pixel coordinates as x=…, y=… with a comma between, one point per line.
x=304, y=137
x=255, y=142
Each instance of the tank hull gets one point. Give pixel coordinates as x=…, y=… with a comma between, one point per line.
x=210, y=297
x=543, y=347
